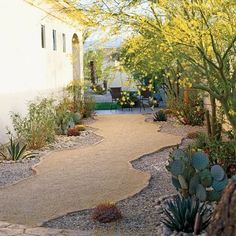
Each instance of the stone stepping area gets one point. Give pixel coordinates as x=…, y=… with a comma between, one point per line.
x=7, y=229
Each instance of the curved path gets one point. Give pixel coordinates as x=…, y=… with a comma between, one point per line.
x=72, y=180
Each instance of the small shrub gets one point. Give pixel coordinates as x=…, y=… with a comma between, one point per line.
x=159, y=116
x=191, y=113
x=15, y=151
x=73, y=132
x=219, y=151
x=128, y=99
x=37, y=127
x=80, y=127
x=193, y=135
x=66, y=117
x=98, y=89
x=106, y=213
x=186, y=215
x=87, y=107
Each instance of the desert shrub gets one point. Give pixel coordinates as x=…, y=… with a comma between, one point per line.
x=127, y=99
x=74, y=92
x=37, y=127
x=219, y=151
x=87, y=106
x=186, y=215
x=73, y=132
x=80, y=127
x=193, y=135
x=65, y=116
x=106, y=213
x=15, y=151
x=98, y=89
x=188, y=113
x=159, y=116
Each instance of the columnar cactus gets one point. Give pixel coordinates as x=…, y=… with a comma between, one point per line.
x=192, y=175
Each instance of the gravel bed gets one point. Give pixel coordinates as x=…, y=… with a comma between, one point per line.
x=12, y=172
x=141, y=213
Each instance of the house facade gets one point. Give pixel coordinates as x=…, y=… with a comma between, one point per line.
x=41, y=50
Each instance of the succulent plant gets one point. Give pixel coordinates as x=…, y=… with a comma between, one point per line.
x=200, y=160
x=193, y=176
x=201, y=193
x=177, y=167
x=181, y=215
x=159, y=116
x=206, y=178
x=217, y=172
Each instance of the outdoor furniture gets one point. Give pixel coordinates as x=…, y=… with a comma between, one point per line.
x=144, y=98
x=115, y=94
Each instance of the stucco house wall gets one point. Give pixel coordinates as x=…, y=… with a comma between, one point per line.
x=28, y=70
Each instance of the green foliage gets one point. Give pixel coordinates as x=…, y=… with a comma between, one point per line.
x=16, y=151
x=160, y=116
x=74, y=94
x=180, y=214
x=87, y=106
x=189, y=112
x=37, y=127
x=65, y=118
x=192, y=175
x=102, y=67
x=98, y=89
x=219, y=151
x=128, y=99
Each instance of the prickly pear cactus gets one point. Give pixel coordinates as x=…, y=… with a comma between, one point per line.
x=192, y=175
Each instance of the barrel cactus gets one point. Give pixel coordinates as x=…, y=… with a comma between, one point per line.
x=192, y=175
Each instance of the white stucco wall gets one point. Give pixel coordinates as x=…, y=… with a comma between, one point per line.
x=27, y=69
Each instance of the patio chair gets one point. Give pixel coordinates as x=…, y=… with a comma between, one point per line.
x=115, y=94
x=144, y=98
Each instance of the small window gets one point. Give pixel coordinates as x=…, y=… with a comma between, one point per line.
x=64, y=42
x=43, y=36
x=54, y=38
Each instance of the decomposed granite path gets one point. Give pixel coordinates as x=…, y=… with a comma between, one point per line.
x=73, y=180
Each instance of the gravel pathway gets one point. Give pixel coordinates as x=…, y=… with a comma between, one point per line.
x=141, y=216
x=12, y=172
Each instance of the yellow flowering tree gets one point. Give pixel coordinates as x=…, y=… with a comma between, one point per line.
x=199, y=35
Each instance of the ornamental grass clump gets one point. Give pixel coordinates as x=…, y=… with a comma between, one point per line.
x=106, y=213
x=37, y=127
x=186, y=215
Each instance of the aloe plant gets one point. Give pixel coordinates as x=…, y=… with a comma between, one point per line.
x=185, y=215
x=16, y=152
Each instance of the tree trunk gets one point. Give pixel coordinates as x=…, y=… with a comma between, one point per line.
x=224, y=218
x=213, y=116
x=92, y=72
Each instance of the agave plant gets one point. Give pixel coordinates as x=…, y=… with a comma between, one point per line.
x=16, y=152
x=160, y=116
x=186, y=215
